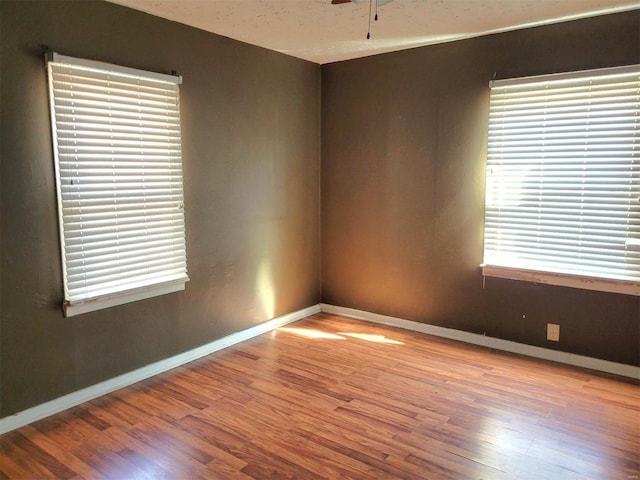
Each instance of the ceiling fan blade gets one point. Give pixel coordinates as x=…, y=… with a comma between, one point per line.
x=338, y=2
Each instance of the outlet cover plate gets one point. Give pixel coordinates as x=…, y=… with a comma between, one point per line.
x=553, y=332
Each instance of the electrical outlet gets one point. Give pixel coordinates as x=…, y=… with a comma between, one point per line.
x=553, y=332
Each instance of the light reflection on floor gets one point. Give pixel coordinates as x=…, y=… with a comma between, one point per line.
x=314, y=333
x=510, y=447
x=311, y=333
x=372, y=338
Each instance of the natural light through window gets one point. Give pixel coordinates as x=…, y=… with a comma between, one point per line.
x=372, y=338
x=265, y=288
x=118, y=163
x=319, y=334
x=563, y=180
x=311, y=333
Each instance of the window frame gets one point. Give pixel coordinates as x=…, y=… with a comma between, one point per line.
x=133, y=284
x=540, y=275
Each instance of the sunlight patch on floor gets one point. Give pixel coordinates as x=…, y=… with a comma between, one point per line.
x=372, y=338
x=311, y=333
x=314, y=333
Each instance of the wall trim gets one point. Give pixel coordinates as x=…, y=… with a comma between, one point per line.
x=73, y=399
x=607, y=366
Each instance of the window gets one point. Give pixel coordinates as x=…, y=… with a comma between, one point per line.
x=118, y=162
x=563, y=180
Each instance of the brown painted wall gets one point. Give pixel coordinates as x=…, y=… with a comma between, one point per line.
x=251, y=151
x=403, y=152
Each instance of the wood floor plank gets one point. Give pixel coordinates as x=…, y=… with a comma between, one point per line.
x=62, y=454
x=163, y=463
x=326, y=462
x=17, y=463
x=333, y=398
x=41, y=456
x=153, y=442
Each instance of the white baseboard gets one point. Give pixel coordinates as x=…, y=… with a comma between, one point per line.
x=496, y=343
x=76, y=398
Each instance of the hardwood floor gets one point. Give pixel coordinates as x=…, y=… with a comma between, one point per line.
x=334, y=398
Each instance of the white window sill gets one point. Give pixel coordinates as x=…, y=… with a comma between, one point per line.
x=91, y=305
x=564, y=280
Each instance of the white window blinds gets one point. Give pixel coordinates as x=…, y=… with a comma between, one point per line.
x=117, y=146
x=563, y=177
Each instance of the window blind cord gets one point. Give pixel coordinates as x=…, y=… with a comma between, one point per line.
x=369, y=27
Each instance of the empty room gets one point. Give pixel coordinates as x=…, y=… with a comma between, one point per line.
x=320, y=239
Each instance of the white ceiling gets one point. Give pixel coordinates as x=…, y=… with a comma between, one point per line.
x=320, y=32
